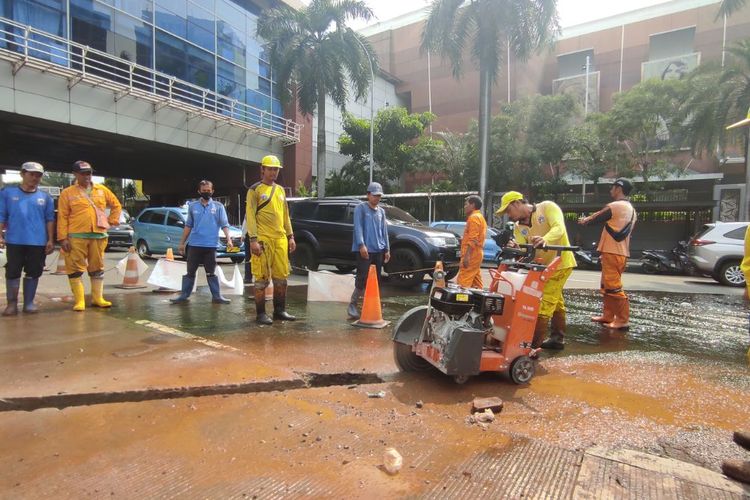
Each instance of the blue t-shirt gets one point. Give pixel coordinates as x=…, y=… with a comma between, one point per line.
x=205, y=223
x=370, y=228
x=25, y=216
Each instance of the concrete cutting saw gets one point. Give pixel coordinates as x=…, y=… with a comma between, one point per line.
x=465, y=331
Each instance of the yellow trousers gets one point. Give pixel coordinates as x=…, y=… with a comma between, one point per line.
x=552, y=299
x=85, y=255
x=273, y=262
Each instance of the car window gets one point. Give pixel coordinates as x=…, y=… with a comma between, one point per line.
x=398, y=215
x=331, y=213
x=302, y=210
x=175, y=220
x=350, y=214
x=152, y=217
x=736, y=234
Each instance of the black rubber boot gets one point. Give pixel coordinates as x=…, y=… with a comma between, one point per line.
x=187, y=288
x=29, y=292
x=279, y=303
x=215, y=287
x=556, y=340
x=260, y=307
x=11, y=293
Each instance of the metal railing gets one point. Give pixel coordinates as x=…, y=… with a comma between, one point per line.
x=25, y=46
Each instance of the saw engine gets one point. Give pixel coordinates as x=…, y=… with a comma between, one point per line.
x=458, y=321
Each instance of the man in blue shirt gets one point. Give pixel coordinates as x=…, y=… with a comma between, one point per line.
x=205, y=218
x=370, y=242
x=28, y=214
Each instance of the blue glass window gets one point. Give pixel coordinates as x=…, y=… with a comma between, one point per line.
x=180, y=59
x=171, y=16
x=133, y=41
x=138, y=8
x=231, y=43
x=45, y=15
x=201, y=27
x=231, y=13
x=230, y=80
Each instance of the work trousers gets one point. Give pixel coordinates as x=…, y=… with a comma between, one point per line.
x=28, y=258
x=363, y=268
x=201, y=255
x=86, y=254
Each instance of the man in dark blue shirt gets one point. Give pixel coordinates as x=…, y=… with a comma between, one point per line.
x=28, y=215
x=205, y=218
x=370, y=242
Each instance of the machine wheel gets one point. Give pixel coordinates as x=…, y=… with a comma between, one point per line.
x=303, y=258
x=405, y=333
x=142, y=249
x=407, y=360
x=451, y=273
x=461, y=379
x=730, y=274
x=522, y=370
x=405, y=259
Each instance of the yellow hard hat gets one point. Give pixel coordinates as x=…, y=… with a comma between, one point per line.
x=270, y=161
x=507, y=199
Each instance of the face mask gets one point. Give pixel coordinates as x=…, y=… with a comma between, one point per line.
x=206, y=196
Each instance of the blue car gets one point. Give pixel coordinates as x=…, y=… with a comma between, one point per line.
x=491, y=251
x=157, y=229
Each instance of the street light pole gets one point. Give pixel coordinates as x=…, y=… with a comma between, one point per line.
x=586, y=98
x=372, y=103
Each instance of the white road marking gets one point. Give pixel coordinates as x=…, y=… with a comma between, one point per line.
x=186, y=335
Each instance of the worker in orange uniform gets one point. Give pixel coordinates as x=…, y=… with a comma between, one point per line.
x=619, y=219
x=543, y=224
x=472, y=244
x=82, y=232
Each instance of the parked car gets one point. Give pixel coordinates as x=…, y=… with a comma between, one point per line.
x=717, y=250
x=323, y=230
x=156, y=229
x=491, y=251
x=121, y=235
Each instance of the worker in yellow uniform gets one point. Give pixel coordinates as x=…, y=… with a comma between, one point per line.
x=82, y=232
x=543, y=224
x=472, y=244
x=271, y=240
x=619, y=219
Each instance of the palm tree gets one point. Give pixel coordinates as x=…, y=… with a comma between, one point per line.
x=314, y=54
x=729, y=7
x=489, y=27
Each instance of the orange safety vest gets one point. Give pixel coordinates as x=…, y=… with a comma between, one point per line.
x=617, y=230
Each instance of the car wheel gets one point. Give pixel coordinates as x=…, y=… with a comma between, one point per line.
x=730, y=274
x=345, y=269
x=405, y=267
x=303, y=259
x=142, y=249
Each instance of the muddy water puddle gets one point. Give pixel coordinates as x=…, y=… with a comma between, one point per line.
x=697, y=326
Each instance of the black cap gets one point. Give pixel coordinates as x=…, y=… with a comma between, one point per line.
x=625, y=184
x=82, y=166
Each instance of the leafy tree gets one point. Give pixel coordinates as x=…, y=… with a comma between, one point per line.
x=114, y=185
x=488, y=27
x=718, y=97
x=395, y=131
x=314, y=54
x=646, y=121
x=729, y=7
x=593, y=150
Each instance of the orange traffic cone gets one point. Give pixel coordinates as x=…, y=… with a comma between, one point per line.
x=61, y=269
x=372, y=313
x=132, y=277
x=170, y=254
x=438, y=275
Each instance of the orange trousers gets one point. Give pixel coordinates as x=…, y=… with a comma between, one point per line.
x=612, y=268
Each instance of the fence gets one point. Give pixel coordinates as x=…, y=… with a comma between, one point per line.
x=27, y=46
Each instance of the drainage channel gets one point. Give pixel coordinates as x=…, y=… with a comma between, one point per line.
x=305, y=381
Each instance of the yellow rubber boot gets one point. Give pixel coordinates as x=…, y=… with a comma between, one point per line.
x=76, y=286
x=97, y=285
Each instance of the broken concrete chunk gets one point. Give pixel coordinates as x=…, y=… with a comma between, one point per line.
x=379, y=394
x=392, y=461
x=481, y=404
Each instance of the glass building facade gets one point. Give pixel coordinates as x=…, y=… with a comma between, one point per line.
x=209, y=43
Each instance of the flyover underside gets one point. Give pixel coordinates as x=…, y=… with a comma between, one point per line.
x=170, y=173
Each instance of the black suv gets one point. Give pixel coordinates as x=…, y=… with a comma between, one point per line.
x=324, y=228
